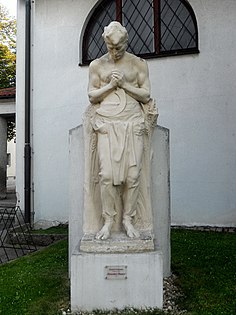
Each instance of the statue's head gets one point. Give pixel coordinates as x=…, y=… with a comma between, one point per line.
x=116, y=38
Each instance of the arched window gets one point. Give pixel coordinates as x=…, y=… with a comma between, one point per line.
x=156, y=28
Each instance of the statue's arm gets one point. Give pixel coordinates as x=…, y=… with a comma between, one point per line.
x=96, y=93
x=141, y=93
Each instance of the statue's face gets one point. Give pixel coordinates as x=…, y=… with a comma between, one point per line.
x=116, y=44
x=116, y=51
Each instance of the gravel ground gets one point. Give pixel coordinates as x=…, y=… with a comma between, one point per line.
x=170, y=306
x=171, y=295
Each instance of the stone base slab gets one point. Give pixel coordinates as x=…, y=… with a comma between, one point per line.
x=116, y=281
x=117, y=243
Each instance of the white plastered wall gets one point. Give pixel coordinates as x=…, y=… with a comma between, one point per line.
x=196, y=96
x=11, y=149
x=196, y=99
x=20, y=95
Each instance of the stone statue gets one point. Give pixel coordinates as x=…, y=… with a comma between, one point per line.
x=117, y=128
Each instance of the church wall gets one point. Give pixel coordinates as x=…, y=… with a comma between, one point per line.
x=195, y=95
x=20, y=95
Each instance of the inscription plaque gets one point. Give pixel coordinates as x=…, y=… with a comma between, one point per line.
x=116, y=272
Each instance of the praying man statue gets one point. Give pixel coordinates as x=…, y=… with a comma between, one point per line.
x=118, y=126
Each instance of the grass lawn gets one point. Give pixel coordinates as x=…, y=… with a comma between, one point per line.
x=36, y=284
x=205, y=263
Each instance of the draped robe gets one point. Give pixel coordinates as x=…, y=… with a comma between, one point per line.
x=121, y=121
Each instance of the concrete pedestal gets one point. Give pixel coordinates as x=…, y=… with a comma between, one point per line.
x=3, y=157
x=108, y=281
x=116, y=279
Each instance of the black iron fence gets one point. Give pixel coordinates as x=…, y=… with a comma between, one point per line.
x=15, y=235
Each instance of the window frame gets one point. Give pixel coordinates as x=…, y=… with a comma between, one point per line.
x=156, y=32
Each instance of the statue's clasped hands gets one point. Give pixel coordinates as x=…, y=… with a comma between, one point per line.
x=117, y=78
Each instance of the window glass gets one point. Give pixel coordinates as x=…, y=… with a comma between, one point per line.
x=155, y=27
x=177, y=27
x=137, y=16
x=93, y=42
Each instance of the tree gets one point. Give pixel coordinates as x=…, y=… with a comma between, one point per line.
x=8, y=58
x=7, y=49
x=7, y=67
x=11, y=130
x=7, y=29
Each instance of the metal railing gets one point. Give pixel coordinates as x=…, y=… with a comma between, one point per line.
x=15, y=235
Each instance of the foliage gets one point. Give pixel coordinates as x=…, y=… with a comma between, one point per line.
x=7, y=67
x=11, y=130
x=7, y=29
x=7, y=49
x=7, y=58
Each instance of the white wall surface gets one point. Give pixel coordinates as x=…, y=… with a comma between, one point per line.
x=11, y=149
x=7, y=106
x=196, y=96
x=20, y=94
x=196, y=99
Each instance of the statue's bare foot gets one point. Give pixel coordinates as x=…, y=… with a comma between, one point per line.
x=130, y=230
x=105, y=232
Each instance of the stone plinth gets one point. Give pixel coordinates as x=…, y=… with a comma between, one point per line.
x=120, y=272
x=117, y=243
x=108, y=281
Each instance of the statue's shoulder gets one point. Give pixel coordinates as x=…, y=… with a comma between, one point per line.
x=135, y=59
x=94, y=64
x=99, y=61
